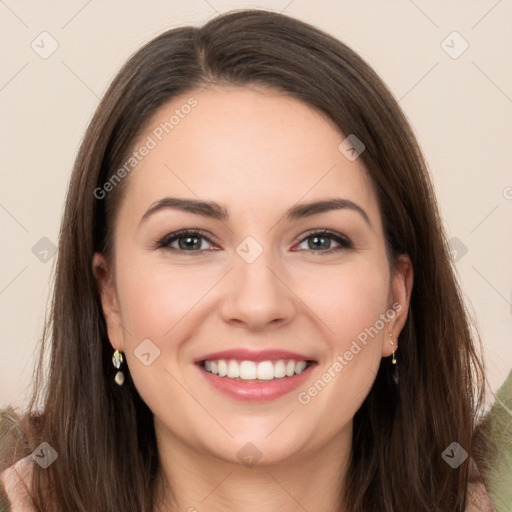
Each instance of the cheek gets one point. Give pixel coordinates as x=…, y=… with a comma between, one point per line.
x=362, y=299
x=157, y=304
x=156, y=297
x=347, y=298
x=353, y=306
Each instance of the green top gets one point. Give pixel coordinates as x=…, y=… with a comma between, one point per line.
x=496, y=449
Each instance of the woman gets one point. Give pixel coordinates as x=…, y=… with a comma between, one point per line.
x=254, y=305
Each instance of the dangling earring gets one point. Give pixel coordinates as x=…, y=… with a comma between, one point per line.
x=392, y=343
x=117, y=361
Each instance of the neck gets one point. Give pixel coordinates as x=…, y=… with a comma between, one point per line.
x=199, y=481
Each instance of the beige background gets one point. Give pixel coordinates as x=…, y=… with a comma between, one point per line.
x=459, y=107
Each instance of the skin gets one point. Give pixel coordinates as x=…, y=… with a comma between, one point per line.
x=258, y=153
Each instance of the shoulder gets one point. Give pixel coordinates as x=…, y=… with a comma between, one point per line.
x=478, y=497
x=16, y=482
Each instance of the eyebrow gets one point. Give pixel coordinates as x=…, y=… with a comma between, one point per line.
x=217, y=211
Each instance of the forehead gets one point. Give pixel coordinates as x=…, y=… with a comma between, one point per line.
x=254, y=150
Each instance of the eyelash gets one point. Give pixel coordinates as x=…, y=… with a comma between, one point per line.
x=344, y=241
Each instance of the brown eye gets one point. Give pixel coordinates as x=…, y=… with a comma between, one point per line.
x=321, y=242
x=184, y=241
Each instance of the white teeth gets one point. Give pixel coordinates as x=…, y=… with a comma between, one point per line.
x=223, y=368
x=279, y=370
x=247, y=370
x=250, y=370
x=233, y=369
x=265, y=370
x=300, y=367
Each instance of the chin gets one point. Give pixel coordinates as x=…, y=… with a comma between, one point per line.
x=259, y=450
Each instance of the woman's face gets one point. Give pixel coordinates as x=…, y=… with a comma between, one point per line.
x=256, y=282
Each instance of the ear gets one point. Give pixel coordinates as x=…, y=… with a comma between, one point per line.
x=105, y=282
x=402, y=280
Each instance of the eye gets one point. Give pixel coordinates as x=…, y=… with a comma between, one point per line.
x=185, y=241
x=192, y=241
x=321, y=242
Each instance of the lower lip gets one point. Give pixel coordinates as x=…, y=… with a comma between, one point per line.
x=257, y=391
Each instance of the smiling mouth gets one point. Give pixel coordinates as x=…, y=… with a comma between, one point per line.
x=262, y=371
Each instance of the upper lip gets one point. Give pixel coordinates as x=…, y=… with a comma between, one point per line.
x=243, y=354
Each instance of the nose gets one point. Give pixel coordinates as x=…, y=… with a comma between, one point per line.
x=257, y=295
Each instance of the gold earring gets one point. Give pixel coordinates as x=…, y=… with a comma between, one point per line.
x=117, y=361
x=392, y=343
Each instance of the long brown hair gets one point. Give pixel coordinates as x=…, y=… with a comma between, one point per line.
x=104, y=434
